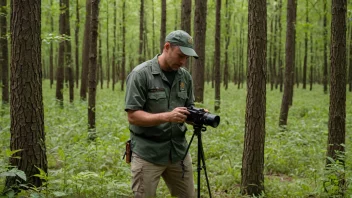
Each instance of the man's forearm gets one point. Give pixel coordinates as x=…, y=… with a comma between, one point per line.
x=145, y=119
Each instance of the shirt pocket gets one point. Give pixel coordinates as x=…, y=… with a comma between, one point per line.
x=181, y=98
x=157, y=102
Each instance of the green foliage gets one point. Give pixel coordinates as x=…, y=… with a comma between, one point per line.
x=294, y=158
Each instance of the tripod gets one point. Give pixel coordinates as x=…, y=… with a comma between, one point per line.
x=200, y=157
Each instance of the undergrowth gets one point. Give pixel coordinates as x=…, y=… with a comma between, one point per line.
x=294, y=158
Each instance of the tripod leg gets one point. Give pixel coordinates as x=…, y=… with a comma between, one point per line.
x=183, y=159
x=200, y=147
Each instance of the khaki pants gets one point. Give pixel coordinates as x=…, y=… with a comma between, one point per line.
x=146, y=176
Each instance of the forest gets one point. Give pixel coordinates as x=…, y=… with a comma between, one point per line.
x=277, y=72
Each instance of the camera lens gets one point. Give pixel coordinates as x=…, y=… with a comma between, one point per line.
x=211, y=120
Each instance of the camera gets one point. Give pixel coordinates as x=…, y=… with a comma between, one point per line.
x=199, y=116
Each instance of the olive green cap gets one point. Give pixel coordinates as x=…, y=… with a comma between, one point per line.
x=183, y=40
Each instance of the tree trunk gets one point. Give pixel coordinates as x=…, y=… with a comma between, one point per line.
x=217, y=55
x=100, y=58
x=77, y=42
x=153, y=27
x=123, y=55
x=68, y=50
x=186, y=11
x=107, y=49
x=162, y=25
x=337, y=109
x=114, y=57
x=252, y=182
x=325, y=34
x=350, y=65
x=141, y=31
x=311, y=63
x=280, y=65
x=305, y=50
x=26, y=105
x=92, y=76
x=199, y=46
x=290, y=62
x=85, y=52
x=227, y=43
x=4, y=53
x=61, y=62
x=51, y=56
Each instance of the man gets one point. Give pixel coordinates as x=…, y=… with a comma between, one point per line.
x=158, y=94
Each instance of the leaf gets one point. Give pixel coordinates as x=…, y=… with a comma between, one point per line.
x=59, y=194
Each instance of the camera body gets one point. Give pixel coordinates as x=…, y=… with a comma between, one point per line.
x=199, y=116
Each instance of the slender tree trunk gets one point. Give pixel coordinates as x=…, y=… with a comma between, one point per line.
x=311, y=62
x=92, y=76
x=217, y=55
x=186, y=11
x=227, y=43
x=280, y=77
x=252, y=182
x=107, y=48
x=199, y=46
x=290, y=62
x=274, y=69
x=153, y=26
x=26, y=105
x=114, y=57
x=51, y=56
x=123, y=55
x=61, y=62
x=4, y=53
x=68, y=50
x=77, y=42
x=337, y=110
x=85, y=53
x=141, y=31
x=305, y=50
x=350, y=65
x=325, y=34
x=163, y=24
x=100, y=60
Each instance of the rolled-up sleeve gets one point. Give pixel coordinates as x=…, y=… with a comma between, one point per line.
x=136, y=93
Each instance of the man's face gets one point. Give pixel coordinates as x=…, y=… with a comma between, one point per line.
x=175, y=58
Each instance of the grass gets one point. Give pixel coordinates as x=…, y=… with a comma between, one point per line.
x=294, y=159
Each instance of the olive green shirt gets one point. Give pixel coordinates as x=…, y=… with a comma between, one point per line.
x=148, y=89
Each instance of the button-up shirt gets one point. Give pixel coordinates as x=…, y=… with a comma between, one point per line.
x=149, y=90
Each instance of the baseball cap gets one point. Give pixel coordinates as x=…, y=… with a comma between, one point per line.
x=183, y=40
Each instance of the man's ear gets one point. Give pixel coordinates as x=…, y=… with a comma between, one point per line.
x=167, y=45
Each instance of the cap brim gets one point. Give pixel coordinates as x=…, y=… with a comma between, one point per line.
x=188, y=51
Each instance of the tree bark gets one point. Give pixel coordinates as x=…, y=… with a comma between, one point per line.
x=290, y=62
x=186, y=11
x=123, y=55
x=325, y=34
x=77, y=42
x=51, y=56
x=60, y=75
x=252, y=182
x=217, y=55
x=4, y=53
x=141, y=31
x=85, y=52
x=92, y=75
x=337, y=109
x=199, y=46
x=26, y=105
x=162, y=25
